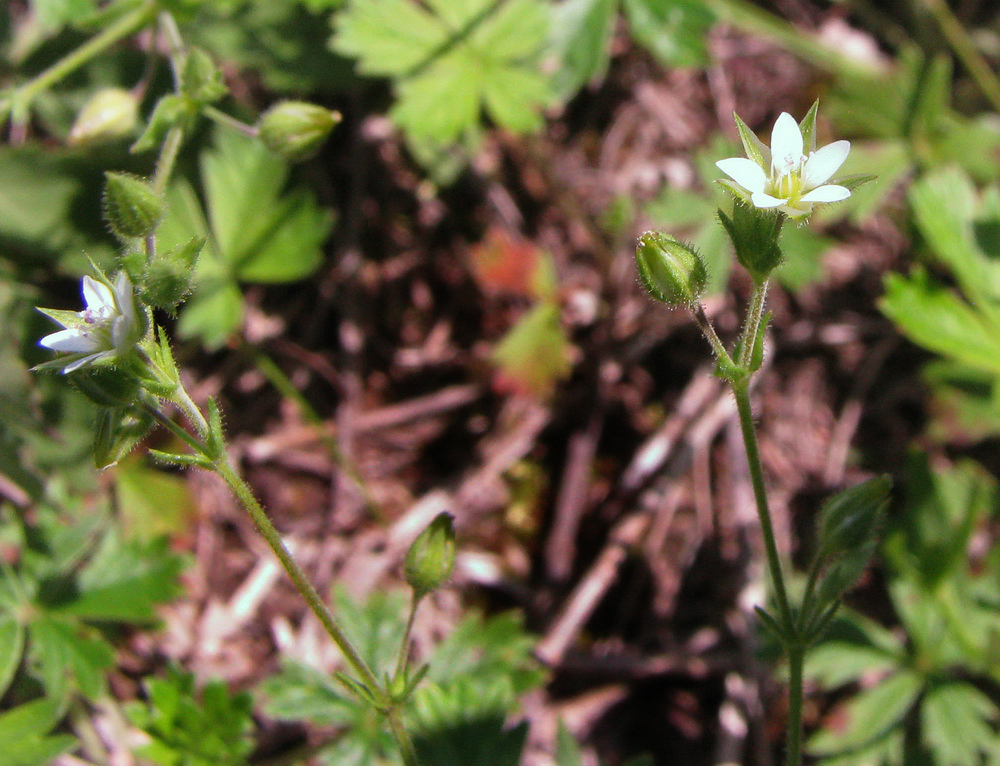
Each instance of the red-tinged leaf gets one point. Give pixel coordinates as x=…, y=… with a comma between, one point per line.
x=534, y=355
x=502, y=263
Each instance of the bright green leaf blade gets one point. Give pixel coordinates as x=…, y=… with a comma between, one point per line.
x=944, y=203
x=870, y=716
x=213, y=314
x=515, y=32
x=242, y=180
x=955, y=724
x=32, y=719
x=674, y=31
x=152, y=502
x=581, y=41
x=35, y=751
x=513, y=96
x=443, y=101
x=939, y=320
x=55, y=14
x=125, y=580
x=534, y=354
x=290, y=249
x=388, y=37
x=11, y=647
x=67, y=652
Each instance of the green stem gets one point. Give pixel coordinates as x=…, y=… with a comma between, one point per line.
x=404, y=647
x=966, y=52
x=793, y=746
x=741, y=390
x=220, y=117
x=168, y=158
x=402, y=737
x=122, y=28
x=302, y=584
x=752, y=325
x=196, y=446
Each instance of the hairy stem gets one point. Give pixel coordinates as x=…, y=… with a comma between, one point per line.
x=793, y=745
x=402, y=737
x=302, y=584
x=125, y=26
x=752, y=325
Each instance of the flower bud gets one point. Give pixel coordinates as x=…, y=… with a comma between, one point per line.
x=672, y=271
x=296, y=129
x=201, y=79
x=170, y=274
x=431, y=556
x=754, y=234
x=110, y=114
x=131, y=206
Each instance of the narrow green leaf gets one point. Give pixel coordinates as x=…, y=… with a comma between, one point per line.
x=581, y=32
x=11, y=648
x=955, y=717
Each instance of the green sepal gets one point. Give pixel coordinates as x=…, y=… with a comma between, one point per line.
x=170, y=111
x=201, y=80
x=755, y=149
x=734, y=189
x=131, y=207
x=183, y=461
x=168, y=277
x=852, y=517
x=808, y=128
x=108, y=385
x=754, y=234
x=63, y=316
x=855, y=180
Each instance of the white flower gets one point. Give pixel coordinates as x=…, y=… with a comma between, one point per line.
x=110, y=325
x=785, y=178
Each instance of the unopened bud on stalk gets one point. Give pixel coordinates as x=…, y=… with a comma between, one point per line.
x=170, y=274
x=131, y=206
x=431, y=556
x=296, y=129
x=671, y=271
x=110, y=114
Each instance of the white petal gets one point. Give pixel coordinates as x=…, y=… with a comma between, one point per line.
x=786, y=143
x=746, y=173
x=822, y=164
x=125, y=297
x=70, y=340
x=760, y=199
x=828, y=193
x=97, y=296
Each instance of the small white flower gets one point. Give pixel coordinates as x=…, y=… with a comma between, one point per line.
x=110, y=325
x=786, y=179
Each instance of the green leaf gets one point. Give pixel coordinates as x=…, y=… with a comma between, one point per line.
x=55, y=14
x=534, y=354
x=567, y=749
x=66, y=652
x=954, y=717
x=255, y=232
x=124, y=580
x=870, y=718
x=453, y=61
x=462, y=723
x=23, y=730
x=939, y=320
x=853, y=647
x=11, y=647
x=191, y=727
x=581, y=39
x=944, y=204
x=674, y=31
